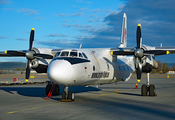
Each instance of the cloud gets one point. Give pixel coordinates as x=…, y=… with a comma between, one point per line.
x=155, y=17
x=82, y=9
x=66, y=20
x=91, y=20
x=7, y=9
x=39, y=18
x=76, y=14
x=157, y=20
x=5, y=2
x=60, y=15
x=89, y=2
x=95, y=10
x=81, y=1
x=28, y=11
x=60, y=43
x=57, y=35
x=3, y=37
x=22, y=39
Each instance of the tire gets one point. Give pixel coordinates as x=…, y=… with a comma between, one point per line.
x=144, y=90
x=151, y=90
x=48, y=87
x=56, y=90
x=71, y=95
x=64, y=95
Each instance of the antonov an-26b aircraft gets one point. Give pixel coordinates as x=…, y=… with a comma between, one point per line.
x=93, y=66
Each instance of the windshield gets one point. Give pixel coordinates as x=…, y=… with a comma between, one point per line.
x=73, y=54
x=64, y=54
x=85, y=55
x=57, y=54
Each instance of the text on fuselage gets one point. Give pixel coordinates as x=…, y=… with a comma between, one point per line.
x=100, y=75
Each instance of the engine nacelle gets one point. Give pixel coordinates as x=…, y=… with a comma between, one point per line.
x=148, y=62
x=40, y=65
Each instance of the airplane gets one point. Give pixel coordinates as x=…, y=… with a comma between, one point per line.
x=93, y=66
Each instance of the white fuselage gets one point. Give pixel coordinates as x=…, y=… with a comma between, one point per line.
x=99, y=68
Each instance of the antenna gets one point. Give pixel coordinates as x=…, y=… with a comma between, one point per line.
x=80, y=46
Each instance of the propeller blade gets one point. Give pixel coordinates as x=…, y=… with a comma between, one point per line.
x=28, y=69
x=15, y=53
x=139, y=36
x=32, y=33
x=139, y=69
x=45, y=56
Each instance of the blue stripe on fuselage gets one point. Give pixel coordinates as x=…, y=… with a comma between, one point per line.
x=72, y=60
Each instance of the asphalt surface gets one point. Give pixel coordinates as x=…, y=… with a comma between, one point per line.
x=29, y=102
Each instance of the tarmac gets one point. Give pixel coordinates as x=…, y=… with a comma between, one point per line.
x=28, y=101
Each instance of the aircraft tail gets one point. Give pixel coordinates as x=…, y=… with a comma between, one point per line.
x=124, y=32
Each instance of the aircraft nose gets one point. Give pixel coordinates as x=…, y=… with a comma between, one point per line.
x=60, y=71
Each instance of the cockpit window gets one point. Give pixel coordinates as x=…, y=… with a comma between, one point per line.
x=73, y=54
x=64, y=54
x=85, y=55
x=80, y=55
x=57, y=54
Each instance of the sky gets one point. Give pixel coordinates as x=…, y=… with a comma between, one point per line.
x=92, y=23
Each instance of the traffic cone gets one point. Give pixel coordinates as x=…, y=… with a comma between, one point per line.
x=136, y=86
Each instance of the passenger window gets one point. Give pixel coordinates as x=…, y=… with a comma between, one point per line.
x=80, y=55
x=73, y=54
x=64, y=54
x=108, y=66
x=93, y=68
x=57, y=54
x=85, y=55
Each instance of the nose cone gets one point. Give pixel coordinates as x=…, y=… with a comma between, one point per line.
x=60, y=71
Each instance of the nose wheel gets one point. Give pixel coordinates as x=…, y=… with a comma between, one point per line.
x=148, y=88
x=67, y=96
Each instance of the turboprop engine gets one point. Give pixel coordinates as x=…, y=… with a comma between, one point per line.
x=148, y=62
x=39, y=64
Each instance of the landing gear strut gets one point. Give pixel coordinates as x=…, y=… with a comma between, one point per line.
x=67, y=95
x=148, y=88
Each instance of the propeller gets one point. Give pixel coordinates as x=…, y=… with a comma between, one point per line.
x=29, y=54
x=138, y=53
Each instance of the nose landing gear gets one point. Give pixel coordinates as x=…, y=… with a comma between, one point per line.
x=148, y=88
x=67, y=96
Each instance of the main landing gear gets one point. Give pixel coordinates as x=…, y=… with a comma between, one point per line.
x=148, y=88
x=56, y=90
x=66, y=96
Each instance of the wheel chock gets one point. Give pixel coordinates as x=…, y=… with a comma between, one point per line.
x=136, y=86
x=66, y=100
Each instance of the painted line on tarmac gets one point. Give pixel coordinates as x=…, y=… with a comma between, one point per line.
x=63, y=102
x=30, y=108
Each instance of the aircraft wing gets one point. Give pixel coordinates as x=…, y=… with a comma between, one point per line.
x=161, y=51
x=122, y=51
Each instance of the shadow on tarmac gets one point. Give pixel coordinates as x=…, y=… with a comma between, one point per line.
x=129, y=94
x=40, y=91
